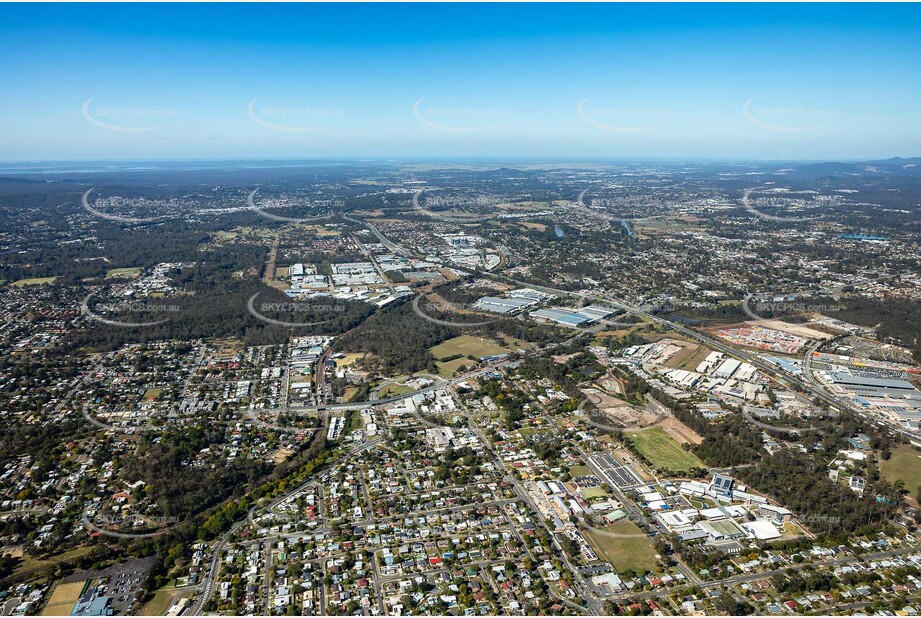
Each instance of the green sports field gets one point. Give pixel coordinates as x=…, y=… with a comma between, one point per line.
x=636, y=553
x=663, y=451
x=467, y=345
x=905, y=466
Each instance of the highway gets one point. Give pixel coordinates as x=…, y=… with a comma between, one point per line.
x=809, y=386
x=840, y=403
x=784, y=377
x=715, y=344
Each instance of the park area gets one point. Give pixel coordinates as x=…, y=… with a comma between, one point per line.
x=161, y=601
x=663, y=451
x=627, y=553
x=467, y=345
x=33, y=281
x=904, y=465
x=63, y=598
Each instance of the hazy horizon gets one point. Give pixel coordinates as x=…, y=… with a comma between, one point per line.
x=459, y=160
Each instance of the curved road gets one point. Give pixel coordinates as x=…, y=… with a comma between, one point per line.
x=122, y=535
x=784, y=377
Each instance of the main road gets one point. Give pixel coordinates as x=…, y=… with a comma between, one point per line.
x=784, y=377
x=804, y=389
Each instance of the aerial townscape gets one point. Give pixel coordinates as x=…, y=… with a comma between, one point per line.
x=364, y=360
x=534, y=403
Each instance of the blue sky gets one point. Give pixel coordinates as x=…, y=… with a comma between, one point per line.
x=588, y=81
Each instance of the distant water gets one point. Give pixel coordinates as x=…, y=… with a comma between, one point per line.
x=626, y=225
x=93, y=167
x=861, y=237
x=558, y=231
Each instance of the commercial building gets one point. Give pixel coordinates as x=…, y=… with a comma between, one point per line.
x=560, y=316
x=776, y=514
x=721, y=485
x=725, y=530
x=508, y=306
x=761, y=529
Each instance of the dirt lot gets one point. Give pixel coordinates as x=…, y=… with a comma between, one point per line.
x=679, y=431
x=632, y=417
x=281, y=455
x=619, y=412
x=691, y=361
x=691, y=350
x=611, y=384
x=793, y=329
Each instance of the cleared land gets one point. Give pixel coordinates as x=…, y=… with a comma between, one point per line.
x=467, y=345
x=691, y=362
x=446, y=369
x=34, y=569
x=663, y=451
x=33, y=281
x=160, y=602
x=533, y=226
x=394, y=389
x=592, y=492
x=348, y=359
x=636, y=553
x=515, y=343
x=619, y=412
x=680, y=432
x=281, y=455
x=794, y=329
x=680, y=358
x=123, y=272
x=905, y=466
x=350, y=391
